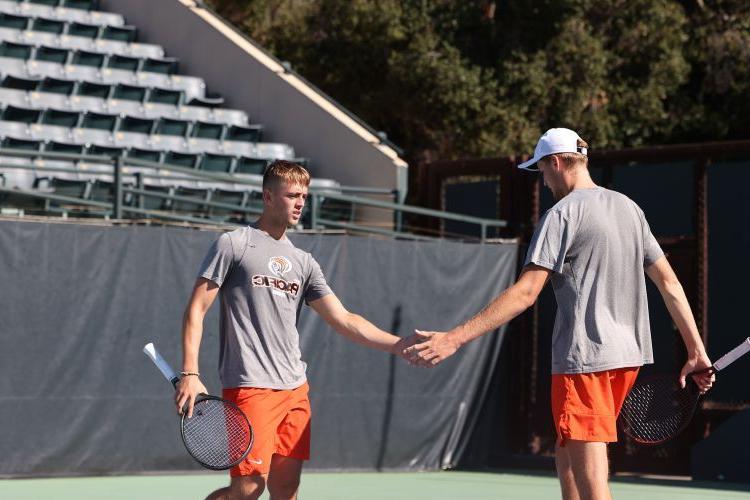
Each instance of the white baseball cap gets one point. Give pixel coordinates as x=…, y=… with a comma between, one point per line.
x=555, y=140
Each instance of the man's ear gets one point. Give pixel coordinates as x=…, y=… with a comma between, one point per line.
x=267, y=196
x=557, y=163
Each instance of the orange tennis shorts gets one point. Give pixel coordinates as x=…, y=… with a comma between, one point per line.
x=585, y=406
x=281, y=425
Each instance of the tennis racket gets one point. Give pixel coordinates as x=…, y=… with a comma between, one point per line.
x=218, y=435
x=658, y=409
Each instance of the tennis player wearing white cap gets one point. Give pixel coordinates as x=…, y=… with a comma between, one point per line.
x=594, y=244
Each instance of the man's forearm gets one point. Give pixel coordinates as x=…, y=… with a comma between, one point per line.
x=504, y=308
x=192, y=331
x=363, y=332
x=679, y=309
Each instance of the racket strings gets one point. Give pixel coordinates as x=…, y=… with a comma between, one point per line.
x=217, y=434
x=657, y=410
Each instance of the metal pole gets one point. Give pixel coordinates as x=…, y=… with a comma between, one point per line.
x=313, y=211
x=118, y=188
x=140, y=185
x=399, y=215
x=701, y=240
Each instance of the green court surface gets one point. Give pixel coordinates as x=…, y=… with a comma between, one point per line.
x=363, y=486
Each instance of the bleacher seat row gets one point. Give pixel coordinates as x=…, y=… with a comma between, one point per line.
x=75, y=36
x=223, y=163
x=161, y=134
x=95, y=57
x=64, y=10
x=89, y=96
x=14, y=61
x=121, y=115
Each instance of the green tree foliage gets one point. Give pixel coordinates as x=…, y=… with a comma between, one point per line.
x=450, y=79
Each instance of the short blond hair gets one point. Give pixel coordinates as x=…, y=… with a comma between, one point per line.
x=285, y=171
x=574, y=159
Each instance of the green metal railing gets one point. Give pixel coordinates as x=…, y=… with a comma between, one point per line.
x=139, y=171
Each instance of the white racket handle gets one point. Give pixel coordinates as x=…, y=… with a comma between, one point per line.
x=166, y=370
x=733, y=355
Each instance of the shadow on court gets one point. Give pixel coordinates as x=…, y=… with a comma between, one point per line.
x=451, y=485
x=710, y=485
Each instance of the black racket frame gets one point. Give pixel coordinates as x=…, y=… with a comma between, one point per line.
x=205, y=397
x=694, y=394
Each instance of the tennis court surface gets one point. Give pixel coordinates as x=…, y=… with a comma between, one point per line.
x=363, y=486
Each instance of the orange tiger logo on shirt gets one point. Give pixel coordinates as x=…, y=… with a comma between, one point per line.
x=279, y=266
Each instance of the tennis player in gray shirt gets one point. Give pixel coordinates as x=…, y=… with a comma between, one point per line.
x=596, y=247
x=262, y=281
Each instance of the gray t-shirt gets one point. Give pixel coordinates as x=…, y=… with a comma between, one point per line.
x=263, y=282
x=597, y=243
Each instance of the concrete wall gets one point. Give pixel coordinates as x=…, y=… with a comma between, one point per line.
x=249, y=79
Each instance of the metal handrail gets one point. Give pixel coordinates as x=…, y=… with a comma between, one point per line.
x=108, y=207
x=317, y=194
x=420, y=210
x=56, y=197
x=374, y=230
x=193, y=199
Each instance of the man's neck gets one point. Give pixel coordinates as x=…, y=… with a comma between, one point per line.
x=579, y=179
x=273, y=229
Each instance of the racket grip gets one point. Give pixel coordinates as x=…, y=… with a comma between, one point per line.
x=150, y=351
x=726, y=359
x=709, y=369
x=733, y=355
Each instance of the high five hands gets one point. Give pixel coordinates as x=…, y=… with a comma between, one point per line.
x=429, y=348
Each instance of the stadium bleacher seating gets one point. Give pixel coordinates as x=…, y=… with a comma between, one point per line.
x=76, y=80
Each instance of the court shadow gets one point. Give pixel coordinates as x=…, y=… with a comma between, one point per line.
x=685, y=483
x=388, y=410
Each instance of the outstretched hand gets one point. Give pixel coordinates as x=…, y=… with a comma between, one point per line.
x=400, y=347
x=703, y=380
x=430, y=348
